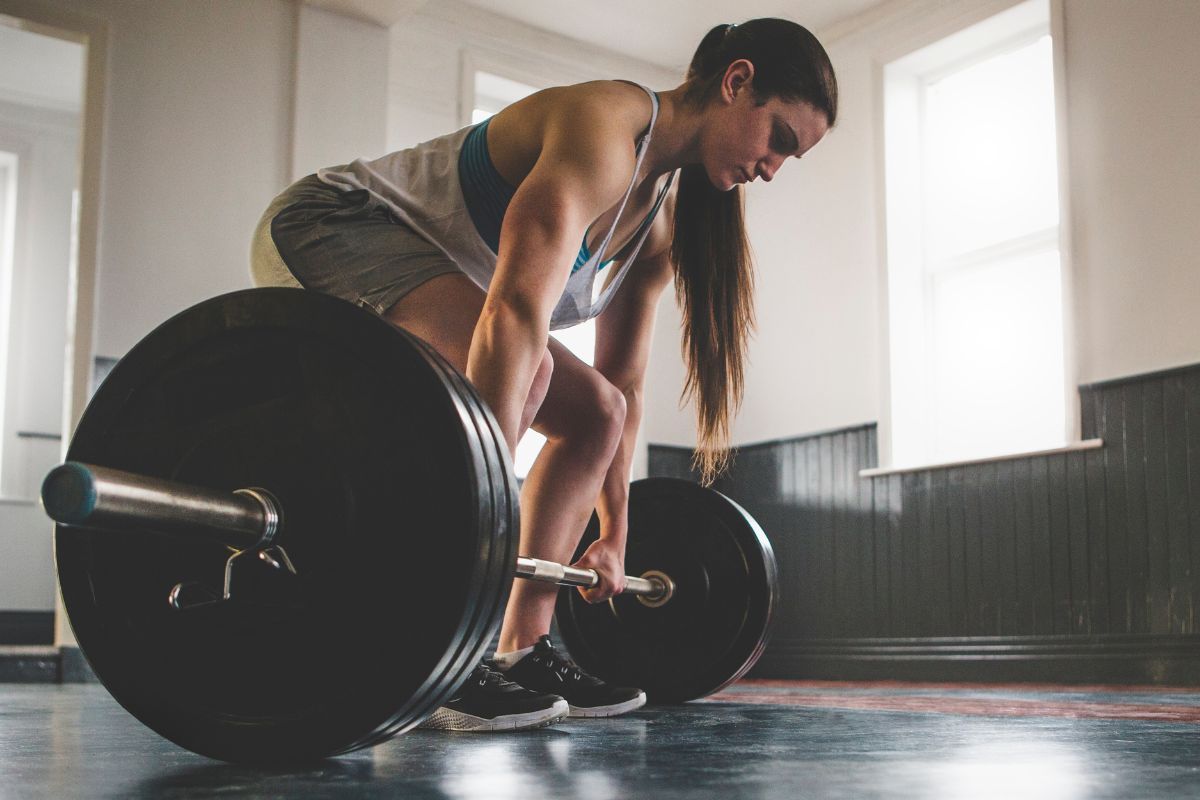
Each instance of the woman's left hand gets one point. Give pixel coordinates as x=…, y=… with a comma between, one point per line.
x=609, y=562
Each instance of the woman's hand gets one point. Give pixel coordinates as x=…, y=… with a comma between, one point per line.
x=608, y=560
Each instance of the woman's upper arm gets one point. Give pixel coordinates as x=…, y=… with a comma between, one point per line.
x=584, y=167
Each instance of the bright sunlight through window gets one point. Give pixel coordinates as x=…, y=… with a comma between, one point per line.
x=974, y=274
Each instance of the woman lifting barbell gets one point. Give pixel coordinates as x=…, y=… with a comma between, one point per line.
x=484, y=240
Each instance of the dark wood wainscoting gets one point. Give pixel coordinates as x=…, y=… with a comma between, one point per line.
x=1079, y=567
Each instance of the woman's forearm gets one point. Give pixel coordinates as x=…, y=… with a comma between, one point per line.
x=505, y=352
x=613, y=504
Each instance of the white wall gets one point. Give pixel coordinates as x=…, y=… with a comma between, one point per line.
x=197, y=141
x=1134, y=164
x=1134, y=113
x=341, y=91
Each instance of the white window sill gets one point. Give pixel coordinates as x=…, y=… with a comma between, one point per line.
x=1087, y=444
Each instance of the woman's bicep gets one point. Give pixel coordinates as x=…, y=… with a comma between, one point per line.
x=579, y=174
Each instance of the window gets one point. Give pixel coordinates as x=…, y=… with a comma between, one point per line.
x=974, y=273
x=8, y=219
x=491, y=93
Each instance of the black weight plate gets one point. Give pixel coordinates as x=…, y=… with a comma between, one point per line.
x=388, y=502
x=503, y=493
x=715, y=626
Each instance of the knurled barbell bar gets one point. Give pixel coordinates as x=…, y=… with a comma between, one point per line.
x=245, y=519
x=368, y=498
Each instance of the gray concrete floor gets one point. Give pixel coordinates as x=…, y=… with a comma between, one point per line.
x=75, y=741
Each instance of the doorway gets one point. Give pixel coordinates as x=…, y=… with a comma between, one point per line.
x=42, y=90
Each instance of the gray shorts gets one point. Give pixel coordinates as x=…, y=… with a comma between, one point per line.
x=347, y=244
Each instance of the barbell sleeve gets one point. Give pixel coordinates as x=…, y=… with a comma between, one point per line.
x=89, y=496
x=99, y=497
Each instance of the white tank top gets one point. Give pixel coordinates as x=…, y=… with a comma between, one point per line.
x=420, y=185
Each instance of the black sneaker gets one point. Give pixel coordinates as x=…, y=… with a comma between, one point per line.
x=547, y=670
x=487, y=702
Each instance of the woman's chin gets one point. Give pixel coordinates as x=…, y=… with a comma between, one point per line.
x=724, y=183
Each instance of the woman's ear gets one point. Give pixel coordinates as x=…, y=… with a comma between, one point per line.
x=738, y=78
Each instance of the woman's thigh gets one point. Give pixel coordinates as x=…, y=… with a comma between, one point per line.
x=443, y=311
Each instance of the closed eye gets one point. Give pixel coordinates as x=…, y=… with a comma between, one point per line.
x=783, y=140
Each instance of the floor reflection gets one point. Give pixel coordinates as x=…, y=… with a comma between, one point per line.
x=1028, y=770
x=65, y=742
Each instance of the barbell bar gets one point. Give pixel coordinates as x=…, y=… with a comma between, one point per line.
x=90, y=496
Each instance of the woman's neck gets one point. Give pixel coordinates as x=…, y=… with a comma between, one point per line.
x=675, y=141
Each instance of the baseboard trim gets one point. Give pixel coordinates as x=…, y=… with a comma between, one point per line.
x=26, y=627
x=44, y=664
x=28, y=664
x=1117, y=659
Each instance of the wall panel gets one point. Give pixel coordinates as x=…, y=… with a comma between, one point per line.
x=1073, y=567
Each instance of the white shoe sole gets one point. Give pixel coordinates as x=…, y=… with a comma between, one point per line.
x=446, y=719
x=610, y=711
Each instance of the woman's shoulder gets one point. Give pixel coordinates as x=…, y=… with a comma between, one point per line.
x=614, y=99
x=614, y=105
x=598, y=120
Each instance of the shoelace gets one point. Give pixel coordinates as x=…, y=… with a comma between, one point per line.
x=546, y=654
x=487, y=675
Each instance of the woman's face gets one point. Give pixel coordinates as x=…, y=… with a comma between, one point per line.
x=746, y=141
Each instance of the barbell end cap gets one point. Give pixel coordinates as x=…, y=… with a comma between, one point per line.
x=69, y=493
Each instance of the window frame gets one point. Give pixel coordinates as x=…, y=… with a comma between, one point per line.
x=924, y=59
x=538, y=74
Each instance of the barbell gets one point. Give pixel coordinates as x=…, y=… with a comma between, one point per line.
x=287, y=530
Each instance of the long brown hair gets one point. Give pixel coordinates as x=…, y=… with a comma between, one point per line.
x=714, y=274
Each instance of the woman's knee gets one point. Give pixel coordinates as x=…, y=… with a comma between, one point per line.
x=604, y=421
x=611, y=408
x=594, y=417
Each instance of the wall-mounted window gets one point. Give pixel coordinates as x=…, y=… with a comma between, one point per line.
x=494, y=92
x=973, y=258
x=8, y=224
x=491, y=93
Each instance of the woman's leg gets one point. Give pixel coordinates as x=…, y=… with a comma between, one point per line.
x=582, y=418
x=581, y=415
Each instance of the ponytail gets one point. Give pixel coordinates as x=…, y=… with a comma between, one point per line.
x=714, y=273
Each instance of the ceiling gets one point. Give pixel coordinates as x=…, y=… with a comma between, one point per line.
x=663, y=32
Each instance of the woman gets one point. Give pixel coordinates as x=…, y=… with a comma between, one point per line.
x=574, y=201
